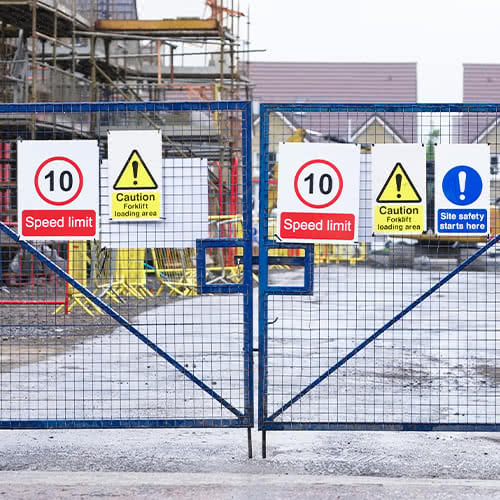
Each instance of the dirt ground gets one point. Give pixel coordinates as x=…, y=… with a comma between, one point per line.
x=32, y=333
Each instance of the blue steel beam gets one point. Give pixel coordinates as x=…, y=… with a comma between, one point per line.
x=88, y=107
x=380, y=426
x=122, y=424
x=246, y=143
x=263, y=265
x=409, y=107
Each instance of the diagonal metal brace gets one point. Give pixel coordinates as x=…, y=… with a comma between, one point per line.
x=381, y=330
x=119, y=318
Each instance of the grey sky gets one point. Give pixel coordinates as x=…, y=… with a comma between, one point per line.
x=439, y=35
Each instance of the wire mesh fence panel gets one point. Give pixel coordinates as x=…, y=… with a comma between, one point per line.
x=392, y=331
x=150, y=322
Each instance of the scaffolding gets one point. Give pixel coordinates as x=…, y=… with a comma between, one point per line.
x=52, y=50
x=98, y=50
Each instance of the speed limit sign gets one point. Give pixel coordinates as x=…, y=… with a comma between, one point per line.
x=58, y=189
x=318, y=192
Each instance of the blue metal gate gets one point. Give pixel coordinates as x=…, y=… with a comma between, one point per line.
x=109, y=334
x=385, y=334
x=388, y=333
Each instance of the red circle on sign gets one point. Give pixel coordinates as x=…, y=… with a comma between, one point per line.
x=80, y=181
x=323, y=205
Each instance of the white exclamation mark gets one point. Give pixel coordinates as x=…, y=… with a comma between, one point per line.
x=461, y=183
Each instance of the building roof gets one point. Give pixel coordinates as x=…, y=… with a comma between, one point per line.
x=298, y=82
x=481, y=83
x=334, y=82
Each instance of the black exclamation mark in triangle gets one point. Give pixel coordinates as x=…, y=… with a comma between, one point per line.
x=135, y=168
x=399, y=178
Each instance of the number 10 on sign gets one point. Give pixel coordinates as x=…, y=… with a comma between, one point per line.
x=318, y=183
x=58, y=180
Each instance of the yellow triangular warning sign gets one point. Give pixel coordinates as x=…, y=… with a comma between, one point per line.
x=398, y=188
x=135, y=174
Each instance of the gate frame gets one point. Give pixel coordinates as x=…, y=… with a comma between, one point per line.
x=265, y=422
x=243, y=419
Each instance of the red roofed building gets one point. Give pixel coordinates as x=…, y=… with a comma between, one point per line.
x=283, y=82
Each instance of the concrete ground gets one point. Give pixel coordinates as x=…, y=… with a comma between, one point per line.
x=234, y=486
x=201, y=464
x=191, y=463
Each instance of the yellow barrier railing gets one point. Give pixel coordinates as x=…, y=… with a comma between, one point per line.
x=77, y=267
x=327, y=254
x=122, y=272
x=175, y=270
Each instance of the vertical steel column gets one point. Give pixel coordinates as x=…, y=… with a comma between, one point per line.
x=247, y=265
x=34, y=63
x=263, y=269
x=34, y=39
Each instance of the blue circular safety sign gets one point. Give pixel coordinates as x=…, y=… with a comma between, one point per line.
x=462, y=185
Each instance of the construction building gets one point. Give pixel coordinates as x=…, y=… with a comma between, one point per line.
x=98, y=50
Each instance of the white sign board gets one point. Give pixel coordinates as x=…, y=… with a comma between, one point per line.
x=184, y=182
x=135, y=190
x=318, y=192
x=399, y=188
x=58, y=189
x=462, y=189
